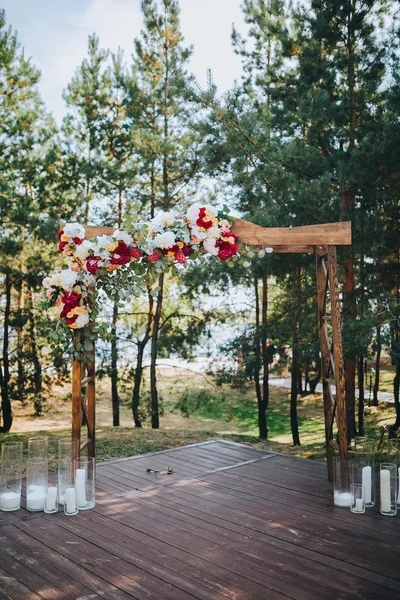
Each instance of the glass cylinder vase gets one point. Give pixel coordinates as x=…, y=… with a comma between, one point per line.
x=38, y=447
x=341, y=482
x=37, y=470
x=363, y=468
x=388, y=489
x=10, y=476
x=357, y=501
x=85, y=482
x=51, y=505
x=68, y=450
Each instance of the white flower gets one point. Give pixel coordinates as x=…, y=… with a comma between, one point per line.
x=156, y=225
x=213, y=233
x=209, y=245
x=67, y=279
x=88, y=279
x=196, y=231
x=82, y=320
x=74, y=230
x=164, y=240
x=193, y=212
x=82, y=251
x=47, y=282
x=167, y=218
x=211, y=209
x=123, y=236
x=103, y=241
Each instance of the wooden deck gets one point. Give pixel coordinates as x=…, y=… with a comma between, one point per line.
x=231, y=522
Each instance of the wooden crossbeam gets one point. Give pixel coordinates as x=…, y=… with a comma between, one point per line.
x=280, y=239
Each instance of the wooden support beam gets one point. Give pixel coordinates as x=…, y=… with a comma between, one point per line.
x=341, y=419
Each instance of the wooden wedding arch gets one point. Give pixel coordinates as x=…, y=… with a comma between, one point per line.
x=321, y=240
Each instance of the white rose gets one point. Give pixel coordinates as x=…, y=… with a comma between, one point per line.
x=68, y=279
x=47, y=281
x=123, y=236
x=82, y=320
x=167, y=218
x=74, y=230
x=82, y=251
x=209, y=246
x=211, y=209
x=196, y=231
x=164, y=240
x=193, y=212
x=213, y=233
x=102, y=242
x=88, y=279
x=156, y=225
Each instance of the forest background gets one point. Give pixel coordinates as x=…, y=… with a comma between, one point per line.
x=309, y=134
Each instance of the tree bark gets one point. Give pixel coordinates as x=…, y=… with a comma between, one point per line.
x=155, y=418
x=114, y=366
x=377, y=365
x=21, y=376
x=37, y=366
x=139, y=364
x=5, y=372
x=361, y=395
x=295, y=366
x=262, y=420
x=264, y=349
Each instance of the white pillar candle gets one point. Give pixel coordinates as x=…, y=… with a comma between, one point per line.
x=366, y=484
x=385, y=491
x=10, y=501
x=36, y=500
x=398, y=487
x=359, y=505
x=342, y=499
x=70, y=500
x=51, y=498
x=80, y=486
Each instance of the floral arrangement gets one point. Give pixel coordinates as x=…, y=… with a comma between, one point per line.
x=140, y=249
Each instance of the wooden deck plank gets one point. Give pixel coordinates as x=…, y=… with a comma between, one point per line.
x=231, y=522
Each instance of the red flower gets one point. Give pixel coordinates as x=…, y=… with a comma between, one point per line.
x=92, y=264
x=77, y=240
x=180, y=257
x=70, y=300
x=200, y=221
x=60, y=233
x=121, y=254
x=226, y=249
x=186, y=250
x=135, y=253
x=61, y=246
x=154, y=257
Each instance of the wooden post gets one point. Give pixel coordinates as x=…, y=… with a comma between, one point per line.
x=91, y=408
x=341, y=419
x=76, y=401
x=84, y=406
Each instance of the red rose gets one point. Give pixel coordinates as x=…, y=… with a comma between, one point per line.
x=135, y=253
x=154, y=257
x=70, y=300
x=77, y=240
x=60, y=233
x=180, y=257
x=121, y=254
x=61, y=246
x=224, y=254
x=186, y=250
x=92, y=264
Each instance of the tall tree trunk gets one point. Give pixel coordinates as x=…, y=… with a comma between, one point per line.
x=114, y=366
x=347, y=212
x=262, y=419
x=361, y=395
x=295, y=365
x=377, y=366
x=155, y=418
x=139, y=363
x=21, y=376
x=5, y=371
x=35, y=353
x=396, y=390
x=264, y=349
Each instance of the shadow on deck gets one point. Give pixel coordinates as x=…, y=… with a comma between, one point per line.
x=230, y=522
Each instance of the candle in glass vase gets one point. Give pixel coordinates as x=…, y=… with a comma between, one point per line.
x=36, y=499
x=366, y=483
x=10, y=501
x=80, y=486
x=385, y=491
x=70, y=500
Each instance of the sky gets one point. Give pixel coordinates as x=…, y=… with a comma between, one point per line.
x=55, y=33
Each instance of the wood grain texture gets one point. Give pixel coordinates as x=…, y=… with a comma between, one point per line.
x=281, y=239
x=259, y=526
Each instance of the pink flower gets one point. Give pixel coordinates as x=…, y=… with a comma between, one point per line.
x=154, y=257
x=180, y=257
x=135, y=253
